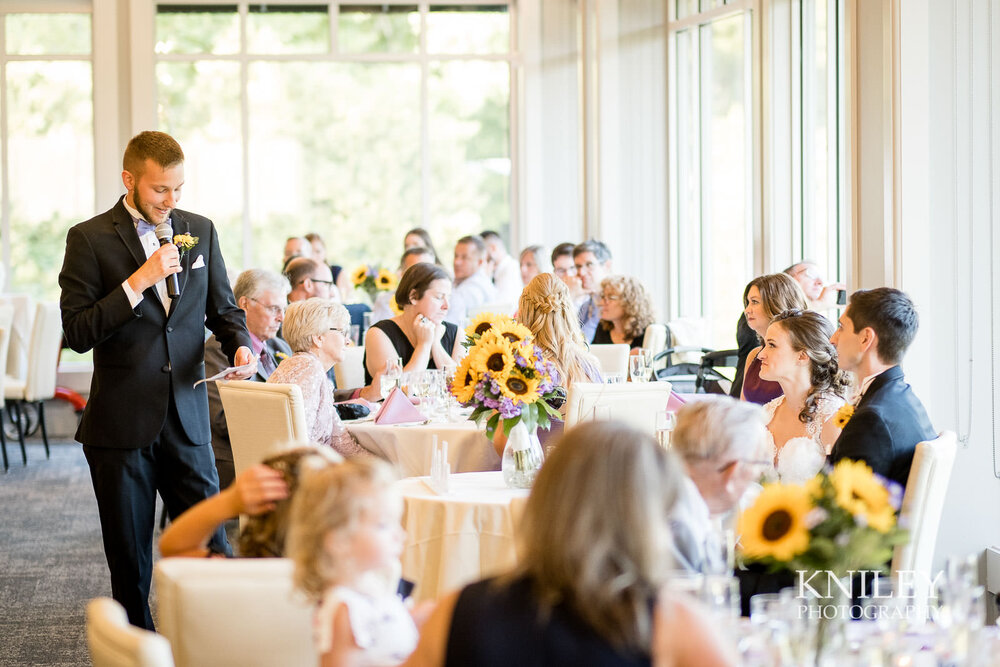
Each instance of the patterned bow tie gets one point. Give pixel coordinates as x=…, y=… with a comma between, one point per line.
x=144, y=227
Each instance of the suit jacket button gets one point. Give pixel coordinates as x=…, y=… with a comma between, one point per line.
x=169, y=329
x=166, y=367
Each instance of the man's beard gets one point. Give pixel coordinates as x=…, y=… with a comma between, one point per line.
x=147, y=212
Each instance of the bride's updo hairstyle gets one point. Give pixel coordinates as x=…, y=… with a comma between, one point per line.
x=810, y=332
x=547, y=309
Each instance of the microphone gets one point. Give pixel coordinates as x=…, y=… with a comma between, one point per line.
x=165, y=235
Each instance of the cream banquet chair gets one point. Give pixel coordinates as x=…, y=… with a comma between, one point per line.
x=923, y=501
x=350, y=372
x=6, y=321
x=612, y=358
x=239, y=612
x=655, y=338
x=115, y=643
x=633, y=403
x=43, y=361
x=262, y=418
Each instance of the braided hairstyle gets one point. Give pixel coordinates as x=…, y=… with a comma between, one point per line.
x=810, y=332
x=547, y=309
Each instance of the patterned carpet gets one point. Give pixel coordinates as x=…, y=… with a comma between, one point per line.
x=51, y=557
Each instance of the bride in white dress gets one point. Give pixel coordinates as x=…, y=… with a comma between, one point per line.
x=798, y=355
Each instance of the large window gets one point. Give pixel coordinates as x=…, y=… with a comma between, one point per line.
x=47, y=146
x=357, y=121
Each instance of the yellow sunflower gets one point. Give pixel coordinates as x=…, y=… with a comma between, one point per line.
x=495, y=354
x=481, y=323
x=775, y=525
x=385, y=280
x=843, y=415
x=512, y=331
x=516, y=387
x=859, y=492
x=464, y=384
x=359, y=275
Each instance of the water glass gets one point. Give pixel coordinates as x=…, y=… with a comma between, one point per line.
x=390, y=376
x=665, y=423
x=356, y=334
x=721, y=593
x=637, y=368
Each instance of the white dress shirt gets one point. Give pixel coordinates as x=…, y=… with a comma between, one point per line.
x=150, y=244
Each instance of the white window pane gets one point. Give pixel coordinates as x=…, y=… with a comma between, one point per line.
x=37, y=34
x=687, y=175
x=470, y=148
x=198, y=103
x=288, y=29
x=378, y=29
x=197, y=29
x=348, y=167
x=51, y=142
x=472, y=29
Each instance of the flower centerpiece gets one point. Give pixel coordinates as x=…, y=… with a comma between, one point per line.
x=840, y=523
x=373, y=279
x=510, y=385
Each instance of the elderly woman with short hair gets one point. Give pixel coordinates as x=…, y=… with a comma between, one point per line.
x=722, y=443
x=317, y=330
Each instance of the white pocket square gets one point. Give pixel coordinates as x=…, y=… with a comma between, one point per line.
x=199, y=263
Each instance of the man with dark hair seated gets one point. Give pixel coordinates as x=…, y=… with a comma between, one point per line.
x=889, y=420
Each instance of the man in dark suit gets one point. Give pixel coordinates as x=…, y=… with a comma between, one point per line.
x=889, y=420
x=145, y=428
x=262, y=295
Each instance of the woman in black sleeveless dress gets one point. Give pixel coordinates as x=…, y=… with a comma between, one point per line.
x=419, y=336
x=594, y=561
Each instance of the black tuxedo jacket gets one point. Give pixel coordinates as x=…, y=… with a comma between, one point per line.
x=887, y=424
x=143, y=354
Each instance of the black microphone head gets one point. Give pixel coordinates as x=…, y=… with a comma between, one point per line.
x=164, y=232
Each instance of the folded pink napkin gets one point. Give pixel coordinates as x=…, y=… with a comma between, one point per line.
x=397, y=409
x=674, y=402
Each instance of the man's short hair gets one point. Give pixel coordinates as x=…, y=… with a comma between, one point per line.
x=300, y=268
x=601, y=252
x=476, y=240
x=253, y=282
x=718, y=428
x=891, y=314
x=793, y=269
x=490, y=234
x=159, y=147
x=562, y=250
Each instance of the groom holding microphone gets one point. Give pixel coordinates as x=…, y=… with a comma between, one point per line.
x=142, y=305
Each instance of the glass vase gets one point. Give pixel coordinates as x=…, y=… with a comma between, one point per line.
x=823, y=613
x=522, y=457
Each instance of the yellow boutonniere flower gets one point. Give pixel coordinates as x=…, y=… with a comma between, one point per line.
x=280, y=356
x=185, y=242
x=843, y=415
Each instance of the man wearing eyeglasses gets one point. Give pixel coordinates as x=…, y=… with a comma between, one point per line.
x=592, y=260
x=262, y=296
x=310, y=278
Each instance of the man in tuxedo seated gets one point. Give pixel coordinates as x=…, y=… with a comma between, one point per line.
x=889, y=420
x=721, y=442
x=262, y=295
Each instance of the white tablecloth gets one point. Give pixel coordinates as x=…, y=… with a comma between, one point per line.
x=456, y=539
x=409, y=448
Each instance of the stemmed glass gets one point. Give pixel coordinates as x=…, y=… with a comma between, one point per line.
x=637, y=368
x=390, y=376
x=665, y=423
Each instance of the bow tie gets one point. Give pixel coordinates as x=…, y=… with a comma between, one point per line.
x=144, y=227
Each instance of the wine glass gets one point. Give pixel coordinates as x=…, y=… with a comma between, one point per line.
x=390, y=376
x=637, y=368
x=665, y=423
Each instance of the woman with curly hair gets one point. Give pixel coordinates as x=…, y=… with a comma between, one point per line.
x=798, y=355
x=626, y=311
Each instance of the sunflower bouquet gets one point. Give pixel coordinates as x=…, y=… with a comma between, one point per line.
x=504, y=376
x=842, y=520
x=373, y=279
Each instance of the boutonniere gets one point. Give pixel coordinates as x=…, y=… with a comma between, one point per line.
x=185, y=242
x=280, y=356
x=843, y=415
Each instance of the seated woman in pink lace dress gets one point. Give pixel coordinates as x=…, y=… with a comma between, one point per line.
x=316, y=329
x=798, y=355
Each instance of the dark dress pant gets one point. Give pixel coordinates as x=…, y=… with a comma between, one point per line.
x=126, y=482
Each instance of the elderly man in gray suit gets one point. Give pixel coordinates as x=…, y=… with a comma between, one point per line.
x=263, y=296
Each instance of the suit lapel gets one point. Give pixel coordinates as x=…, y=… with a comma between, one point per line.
x=126, y=230
x=180, y=227
x=882, y=379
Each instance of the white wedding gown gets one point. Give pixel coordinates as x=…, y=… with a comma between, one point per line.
x=801, y=457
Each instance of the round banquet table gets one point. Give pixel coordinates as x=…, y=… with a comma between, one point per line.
x=461, y=537
x=409, y=447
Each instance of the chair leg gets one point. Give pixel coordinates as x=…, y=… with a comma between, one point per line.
x=16, y=419
x=41, y=422
x=3, y=443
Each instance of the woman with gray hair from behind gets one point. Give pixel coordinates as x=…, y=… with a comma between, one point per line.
x=317, y=330
x=722, y=444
